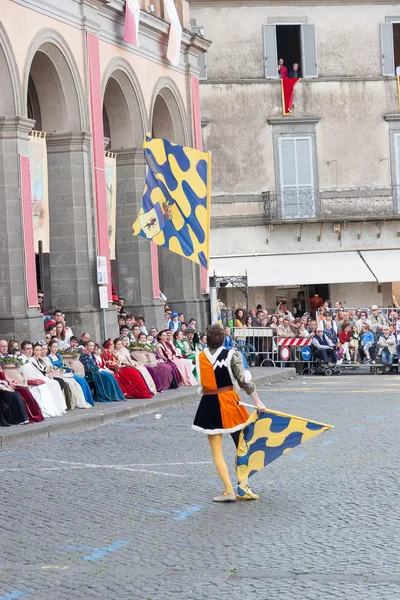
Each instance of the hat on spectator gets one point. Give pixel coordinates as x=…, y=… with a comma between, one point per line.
x=174, y=314
x=190, y=330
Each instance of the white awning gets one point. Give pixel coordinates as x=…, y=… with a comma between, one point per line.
x=385, y=264
x=297, y=269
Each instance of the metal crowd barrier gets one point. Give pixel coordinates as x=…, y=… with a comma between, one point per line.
x=263, y=348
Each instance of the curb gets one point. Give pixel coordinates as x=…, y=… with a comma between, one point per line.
x=114, y=412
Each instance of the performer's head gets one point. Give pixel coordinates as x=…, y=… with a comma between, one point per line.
x=215, y=336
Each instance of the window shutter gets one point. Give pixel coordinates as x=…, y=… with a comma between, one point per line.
x=202, y=60
x=387, y=48
x=297, y=178
x=309, y=51
x=270, y=51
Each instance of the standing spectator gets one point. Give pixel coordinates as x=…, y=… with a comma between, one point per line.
x=387, y=348
x=299, y=305
x=377, y=320
x=363, y=320
x=282, y=70
x=294, y=72
x=284, y=330
x=175, y=323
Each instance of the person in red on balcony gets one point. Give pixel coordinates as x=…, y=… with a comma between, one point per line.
x=282, y=70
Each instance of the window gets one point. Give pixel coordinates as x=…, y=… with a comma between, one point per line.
x=390, y=47
x=295, y=43
x=296, y=177
x=199, y=29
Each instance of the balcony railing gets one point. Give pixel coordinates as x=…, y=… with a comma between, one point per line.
x=338, y=203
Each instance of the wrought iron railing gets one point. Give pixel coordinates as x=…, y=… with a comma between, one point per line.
x=338, y=203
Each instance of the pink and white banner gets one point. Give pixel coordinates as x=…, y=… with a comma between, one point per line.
x=132, y=18
x=175, y=33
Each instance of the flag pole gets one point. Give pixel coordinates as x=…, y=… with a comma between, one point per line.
x=208, y=209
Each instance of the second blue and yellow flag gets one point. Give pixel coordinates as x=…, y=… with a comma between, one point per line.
x=269, y=435
x=176, y=199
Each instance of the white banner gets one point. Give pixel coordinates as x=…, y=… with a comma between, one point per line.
x=175, y=33
x=110, y=166
x=40, y=190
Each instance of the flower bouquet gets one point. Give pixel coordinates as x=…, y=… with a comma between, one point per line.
x=70, y=352
x=137, y=346
x=10, y=362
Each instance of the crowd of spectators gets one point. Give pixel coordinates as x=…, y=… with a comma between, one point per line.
x=45, y=378
x=338, y=335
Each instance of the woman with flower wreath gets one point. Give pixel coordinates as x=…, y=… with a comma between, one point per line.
x=82, y=397
x=130, y=379
x=106, y=386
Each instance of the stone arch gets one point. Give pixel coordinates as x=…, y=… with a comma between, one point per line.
x=51, y=66
x=10, y=96
x=124, y=106
x=168, y=114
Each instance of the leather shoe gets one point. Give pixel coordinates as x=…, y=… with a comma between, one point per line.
x=225, y=498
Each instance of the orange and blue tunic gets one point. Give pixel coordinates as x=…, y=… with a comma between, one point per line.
x=218, y=411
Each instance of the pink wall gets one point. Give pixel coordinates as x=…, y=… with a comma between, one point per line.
x=29, y=242
x=96, y=103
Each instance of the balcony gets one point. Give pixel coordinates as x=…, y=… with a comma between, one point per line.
x=349, y=204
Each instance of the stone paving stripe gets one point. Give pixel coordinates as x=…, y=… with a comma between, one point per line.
x=331, y=441
x=54, y=567
x=184, y=514
x=15, y=594
x=358, y=427
x=180, y=515
x=97, y=552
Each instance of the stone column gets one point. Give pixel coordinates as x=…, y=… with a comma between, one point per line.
x=15, y=318
x=180, y=282
x=133, y=253
x=73, y=248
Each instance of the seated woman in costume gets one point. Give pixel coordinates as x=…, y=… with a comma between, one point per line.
x=19, y=385
x=45, y=369
x=80, y=390
x=146, y=369
x=105, y=384
x=130, y=379
x=166, y=350
x=12, y=409
x=160, y=371
x=46, y=391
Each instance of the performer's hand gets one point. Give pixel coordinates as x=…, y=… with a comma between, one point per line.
x=261, y=408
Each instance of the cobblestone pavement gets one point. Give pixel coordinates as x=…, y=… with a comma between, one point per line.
x=124, y=511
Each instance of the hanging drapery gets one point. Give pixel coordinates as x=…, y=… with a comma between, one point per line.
x=40, y=190
x=132, y=18
x=175, y=33
x=110, y=165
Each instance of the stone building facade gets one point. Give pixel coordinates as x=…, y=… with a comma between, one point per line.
x=66, y=70
x=306, y=202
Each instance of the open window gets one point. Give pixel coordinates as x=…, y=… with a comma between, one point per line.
x=390, y=47
x=295, y=43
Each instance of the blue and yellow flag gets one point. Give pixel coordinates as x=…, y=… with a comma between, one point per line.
x=176, y=199
x=269, y=435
